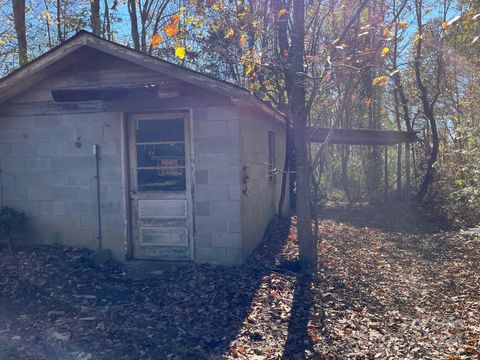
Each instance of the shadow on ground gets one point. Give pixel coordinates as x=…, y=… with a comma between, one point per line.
x=403, y=217
x=56, y=300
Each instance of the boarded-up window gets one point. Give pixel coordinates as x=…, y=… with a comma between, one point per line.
x=271, y=156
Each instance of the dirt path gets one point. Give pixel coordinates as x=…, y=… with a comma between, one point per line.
x=391, y=285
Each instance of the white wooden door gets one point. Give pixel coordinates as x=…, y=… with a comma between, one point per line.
x=160, y=186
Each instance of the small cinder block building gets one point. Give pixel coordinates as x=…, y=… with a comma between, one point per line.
x=104, y=146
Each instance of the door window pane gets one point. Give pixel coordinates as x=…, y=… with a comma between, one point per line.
x=160, y=148
x=159, y=130
x=161, y=155
x=167, y=179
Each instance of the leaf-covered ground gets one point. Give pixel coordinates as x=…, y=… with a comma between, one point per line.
x=390, y=285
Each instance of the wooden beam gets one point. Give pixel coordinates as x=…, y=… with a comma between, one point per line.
x=362, y=136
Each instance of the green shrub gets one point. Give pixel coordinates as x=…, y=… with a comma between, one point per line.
x=11, y=222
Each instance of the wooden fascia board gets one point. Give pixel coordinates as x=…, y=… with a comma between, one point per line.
x=32, y=72
x=166, y=68
x=238, y=96
x=27, y=76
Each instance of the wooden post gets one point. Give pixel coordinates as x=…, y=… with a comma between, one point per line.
x=386, y=172
x=399, y=170
x=407, y=168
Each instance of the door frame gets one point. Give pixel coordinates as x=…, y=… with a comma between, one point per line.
x=190, y=183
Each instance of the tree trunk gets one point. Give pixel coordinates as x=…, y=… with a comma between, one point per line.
x=95, y=17
x=19, y=19
x=427, y=108
x=60, y=37
x=298, y=111
x=106, y=18
x=344, y=157
x=286, y=167
x=132, y=10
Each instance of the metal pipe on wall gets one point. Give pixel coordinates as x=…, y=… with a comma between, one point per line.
x=97, y=177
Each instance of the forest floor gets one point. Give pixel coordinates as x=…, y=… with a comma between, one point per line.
x=391, y=284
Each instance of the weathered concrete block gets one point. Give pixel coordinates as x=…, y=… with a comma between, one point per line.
x=222, y=144
x=75, y=194
x=110, y=208
x=90, y=132
x=208, y=129
x=222, y=112
x=110, y=176
x=83, y=165
x=51, y=148
x=78, y=179
x=40, y=179
x=112, y=193
x=211, y=255
x=115, y=223
x=225, y=208
x=49, y=121
x=12, y=164
x=201, y=176
x=114, y=240
x=112, y=129
x=210, y=224
x=30, y=208
x=211, y=192
x=209, y=161
x=13, y=193
x=88, y=222
x=10, y=136
x=226, y=240
x=81, y=208
x=233, y=256
x=203, y=240
x=202, y=208
x=37, y=134
x=229, y=176
x=5, y=150
x=110, y=148
x=110, y=162
x=40, y=194
x=52, y=208
x=234, y=192
x=234, y=224
x=39, y=163
x=24, y=149
x=233, y=127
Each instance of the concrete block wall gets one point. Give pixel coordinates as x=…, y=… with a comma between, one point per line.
x=259, y=204
x=48, y=172
x=217, y=184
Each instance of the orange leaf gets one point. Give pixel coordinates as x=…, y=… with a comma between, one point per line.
x=171, y=30
x=176, y=19
x=281, y=13
x=444, y=25
x=402, y=24
x=156, y=40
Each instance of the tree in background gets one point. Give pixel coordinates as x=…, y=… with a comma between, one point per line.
x=18, y=7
